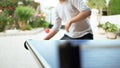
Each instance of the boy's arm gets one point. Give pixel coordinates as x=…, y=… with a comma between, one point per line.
x=55, y=28
x=50, y=35
x=81, y=16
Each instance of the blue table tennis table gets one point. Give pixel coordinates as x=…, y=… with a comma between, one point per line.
x=92, y=54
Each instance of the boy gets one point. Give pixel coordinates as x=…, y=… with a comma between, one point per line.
x=74, y=13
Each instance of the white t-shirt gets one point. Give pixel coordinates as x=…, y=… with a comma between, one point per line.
x=66, y=11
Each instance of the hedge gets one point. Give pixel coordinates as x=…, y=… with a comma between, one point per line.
x=114, y=7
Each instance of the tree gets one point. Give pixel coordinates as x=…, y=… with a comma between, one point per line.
x=97, y=4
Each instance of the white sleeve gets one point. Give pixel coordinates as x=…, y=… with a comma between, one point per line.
x=57, y=23
x=80, y=5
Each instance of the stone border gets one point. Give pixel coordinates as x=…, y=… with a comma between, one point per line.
x=20, y=32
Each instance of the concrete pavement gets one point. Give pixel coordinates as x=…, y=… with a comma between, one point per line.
x=13, y=53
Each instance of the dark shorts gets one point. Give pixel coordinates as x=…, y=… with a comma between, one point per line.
x=88, y=36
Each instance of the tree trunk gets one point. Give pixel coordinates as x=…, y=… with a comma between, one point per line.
x=100, y=16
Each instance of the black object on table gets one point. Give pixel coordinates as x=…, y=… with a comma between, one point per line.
x=69, y=56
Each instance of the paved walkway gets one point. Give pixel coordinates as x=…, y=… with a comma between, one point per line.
x=15, y=32
x=13, y=54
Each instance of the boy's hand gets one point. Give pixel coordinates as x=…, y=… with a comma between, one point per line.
x=67, y=26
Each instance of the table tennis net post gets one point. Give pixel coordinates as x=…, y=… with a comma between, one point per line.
x=69, y=55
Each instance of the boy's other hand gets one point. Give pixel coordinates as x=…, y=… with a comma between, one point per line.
x=67, y=26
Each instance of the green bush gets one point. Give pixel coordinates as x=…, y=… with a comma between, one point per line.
x=9, y=5
x=30, y=3
x=100, y=26
x=114, y=7
x=39, y=22
x=26, y=2
x=28, y=27
x=4, y=19
x=109, y=27
x=24, y=13
x=44, y=24
x=35, y=23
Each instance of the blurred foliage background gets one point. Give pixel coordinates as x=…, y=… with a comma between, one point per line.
x=21, y=14
x=27, y=14
x=111, y=9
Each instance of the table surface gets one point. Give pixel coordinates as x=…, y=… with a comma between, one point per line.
x=94, y=54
